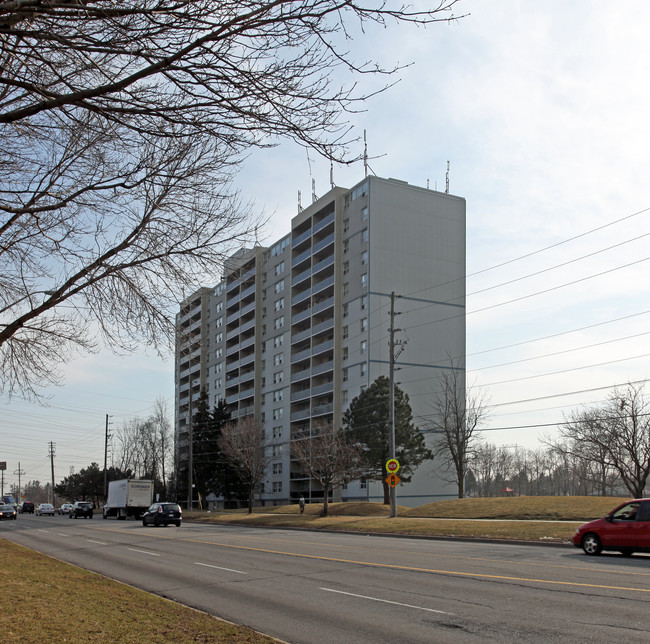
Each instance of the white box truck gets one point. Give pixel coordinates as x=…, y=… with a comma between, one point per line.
x=128, y=498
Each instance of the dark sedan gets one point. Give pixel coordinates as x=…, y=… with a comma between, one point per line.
x=7, y=512
x=163, y=514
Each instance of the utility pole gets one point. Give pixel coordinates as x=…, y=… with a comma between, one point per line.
x=190, y=453
x=51, y=455
x=392, y=493
x=106, y=437
x=19, y=472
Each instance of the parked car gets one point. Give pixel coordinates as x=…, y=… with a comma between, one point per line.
x=28, y=507
x=81, y=509
x=7, y=512
x=626, y=529
x=163, y=514
x=44, y=509
x=65, y=508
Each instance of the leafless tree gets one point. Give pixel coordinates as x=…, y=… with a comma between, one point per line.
x=457, y=414
x=616, y=434
x=145, y=445
x=243, y=444
x=330, y=457
x=121, y=126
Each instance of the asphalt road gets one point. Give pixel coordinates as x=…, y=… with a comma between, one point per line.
x=323, y=587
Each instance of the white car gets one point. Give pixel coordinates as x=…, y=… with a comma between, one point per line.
x=44, y=508
x=65, y=508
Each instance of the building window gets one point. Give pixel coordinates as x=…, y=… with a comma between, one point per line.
x=219, y=337
x=279, y=322
x=344, y=397
x=364, y=258
x=279, y=268
x=364, y=280
x=346, y=225
x=277, y=359
x=345, y=353
x=363, y=347
x=363, y=484
x=277, y=432
x=364, y=213
x=218, y=353
x=346, y=246
x=364, y=302
x=219, y=307
x=364, y=324
x=345, y=310
x=276, y=450
x=278, y=376
x=346, y=289
x=218, y=383
x=279, y=304
x=363, y=369
x=278, y=413
x=277, y=395
x=277, y=486
x=277, y=468
x=218, y=322
x=278, y=341
x=345, y=375
x=345, y=332
x=346, y=268
x=279, y=286
x=364, y=235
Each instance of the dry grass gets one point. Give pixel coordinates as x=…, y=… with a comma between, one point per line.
x=522, y=518
x=45, y=600
x=525, y=508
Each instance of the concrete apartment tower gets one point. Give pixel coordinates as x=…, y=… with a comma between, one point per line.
x=295, y=331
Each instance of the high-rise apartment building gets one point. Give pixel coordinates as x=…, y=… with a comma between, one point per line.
x=295, y=331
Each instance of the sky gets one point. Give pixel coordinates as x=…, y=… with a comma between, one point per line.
x=541, y=109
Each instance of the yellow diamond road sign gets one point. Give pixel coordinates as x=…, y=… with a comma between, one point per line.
x=393, y=480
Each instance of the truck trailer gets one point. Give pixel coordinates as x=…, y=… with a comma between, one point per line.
x=128, y=498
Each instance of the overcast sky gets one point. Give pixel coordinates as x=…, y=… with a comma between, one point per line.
x=542, y=110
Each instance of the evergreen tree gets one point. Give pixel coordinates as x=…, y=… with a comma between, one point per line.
x=212, y=471
x=368, y=421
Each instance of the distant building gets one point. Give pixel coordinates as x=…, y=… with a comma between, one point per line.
x=295, y=331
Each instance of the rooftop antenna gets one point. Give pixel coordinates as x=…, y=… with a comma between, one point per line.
x=300, y=208
x=447, y=181
x=427, y=184
x=332, y=174
x=365, y=155
x=313, y=190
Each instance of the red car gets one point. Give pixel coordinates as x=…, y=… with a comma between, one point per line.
x=626, y=529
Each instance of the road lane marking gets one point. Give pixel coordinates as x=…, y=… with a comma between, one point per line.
x=372, y=564
x=386, y=601
x=101, y=543
x=144, y=552
x=61, y=534
x=198, y=563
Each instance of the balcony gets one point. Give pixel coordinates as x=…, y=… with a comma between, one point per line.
x=297, y=241
x=328, y=241
x=322, y=368
x=301, y=258
x=300, y=395
x=300, y=355
x=303, y=335
x=322, y=410
x=325, y=388
x=323, y=223
x=301, y=297
x=303, y=315
x=300, y=375
x=322, y=306
x=328, y=281
x=322, y=347
x=301, y=277
x=328, y=261
x=300, y=415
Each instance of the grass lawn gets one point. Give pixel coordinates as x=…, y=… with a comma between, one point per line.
x=544, y=519
x=45, y=600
